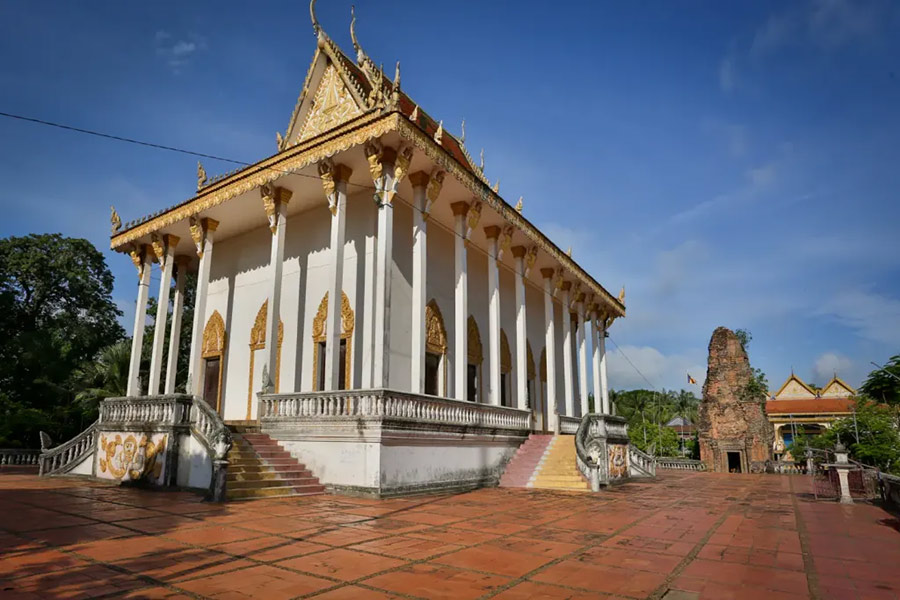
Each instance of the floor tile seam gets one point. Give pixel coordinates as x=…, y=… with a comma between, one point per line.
x=573, y=554
x=71, y=514
x=362, y=585
x=809, y=566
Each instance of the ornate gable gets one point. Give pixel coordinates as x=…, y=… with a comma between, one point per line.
x=837, y=388
x=332, y=105
x=794, y=387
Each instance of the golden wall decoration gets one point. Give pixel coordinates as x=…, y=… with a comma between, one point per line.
x=258, y=342
x=435, y=333
x=319, y=334
x=476, y=354
x=133, y=458
x=213, y=346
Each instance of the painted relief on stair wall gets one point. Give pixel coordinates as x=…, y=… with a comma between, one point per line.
x=130, y=456
x=618, y=461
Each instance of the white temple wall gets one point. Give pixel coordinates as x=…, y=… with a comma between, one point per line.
x=440, y=286
x=479, y=308
x=399, y=377
x=508, y=310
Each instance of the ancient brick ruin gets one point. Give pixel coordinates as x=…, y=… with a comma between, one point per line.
x=733, y=431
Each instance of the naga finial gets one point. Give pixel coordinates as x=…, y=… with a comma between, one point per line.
x=414, y=117
x=201, y=175
x=312, y=16
x=397, y=76
x=569, y=252
x=520, y=204
x=356, y=45
x=114, y=219
x=622, y=295
x=482, y=161
x=280, y=139
x=462, y=137
x=439, y=134
x=496, y=187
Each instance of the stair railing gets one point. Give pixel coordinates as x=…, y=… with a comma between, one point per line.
x=209, y=428
x=65, y=457
x=642, y=461
x=587, y=455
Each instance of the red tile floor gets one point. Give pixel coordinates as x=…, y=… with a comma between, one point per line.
x=683, y=536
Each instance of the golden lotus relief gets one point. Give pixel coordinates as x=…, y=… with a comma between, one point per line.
x=136, y=457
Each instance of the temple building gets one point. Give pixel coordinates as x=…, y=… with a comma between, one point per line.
x=367, y=296
x=797, y=408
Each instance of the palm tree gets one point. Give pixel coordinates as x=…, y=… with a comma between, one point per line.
x=106, y=377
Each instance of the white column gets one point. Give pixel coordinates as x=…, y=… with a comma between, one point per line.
x=335, y=284
x=521, y=332
x=604, y=387
x=164, y=248
x=582, y=358
x=461, y=304
x=368, y=329
x=202, y=231
x=275, y=201
x=145, y=260
x=419, y=182
x=567, y=351
x=181, y=265
x=595, y=355
x=494, y=389
x=384, y=268
x=550, y=349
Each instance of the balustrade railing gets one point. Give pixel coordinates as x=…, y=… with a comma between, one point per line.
x=680, y=464
x=390, y=404
x=19, y=457
x=568, y=425
x=786, y=467
x=641, y=460
x=65, y=457
x=152, y=410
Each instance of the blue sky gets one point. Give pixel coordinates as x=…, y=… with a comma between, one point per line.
x=731, y=164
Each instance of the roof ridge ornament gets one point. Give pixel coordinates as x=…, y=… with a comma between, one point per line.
x=481, y=166
x=201, y=173
x=520, y=204
x=622, y=295
x=439, y=134
x=414, y=117
x=356, y=45
x=312, y=15
x=114, y=219
x=462, y=137
x=280, y=140
x=496, y=187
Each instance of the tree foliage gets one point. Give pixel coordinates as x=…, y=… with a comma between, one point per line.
x=884, y=386
x=56, y=313
x=648, y=411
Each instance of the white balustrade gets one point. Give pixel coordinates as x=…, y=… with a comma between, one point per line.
x=392, y=405
x=568, y=425
x=680, y=464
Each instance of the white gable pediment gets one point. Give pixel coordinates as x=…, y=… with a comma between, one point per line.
x=794, y=388
x=837, y=388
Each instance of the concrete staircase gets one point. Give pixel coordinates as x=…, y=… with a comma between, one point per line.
x=524, y=463
x=545, y=462
x=260, y=468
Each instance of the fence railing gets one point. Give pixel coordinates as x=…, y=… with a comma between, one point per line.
x=680, y=464
x=786, y=467
x=65, y=457
x=19, y=457
x=641, y=460
x=389, y=404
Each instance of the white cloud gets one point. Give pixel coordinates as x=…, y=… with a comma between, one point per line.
x=727, y=74
x=177, y=52
x=829, y=364
x=874, y=316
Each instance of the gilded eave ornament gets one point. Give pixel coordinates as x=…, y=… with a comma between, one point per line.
x=159, y=247
x=196, y=234
x=505, y=241
x=401, y=168
x=414, y=117
x=439, y=134
x=530, y=258
x=433, y=190
x=267, y=193
x=472, y=218
x=496, y=188
x=137, y=257
x=326, y=174
x=114, y=220
x=201, y=175
x=374, y=154
x=520, y=204
x=280, y=140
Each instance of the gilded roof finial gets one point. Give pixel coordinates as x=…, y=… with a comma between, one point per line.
x=496, y=187
x=482, y=161
x=114, y=219
x=312, y=16
x=569, y=252
x=414, y=117
x=520, y=204
x=397, y=76
x=462, y=137
x=280, y=140
x=201, y=175
x=622, y=295
x=439, y=134
x=356, y=45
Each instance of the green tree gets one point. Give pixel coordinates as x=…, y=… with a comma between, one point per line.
x=884, y=386
x=744, y=336
x=56, y=312
x=654, y=439
x=184, y=337
x=105, y=377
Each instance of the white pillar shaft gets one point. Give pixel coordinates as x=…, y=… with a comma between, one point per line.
x=521, y=337
x=595, y=355
x=368, y=330
x=604, y=385
x=460, y=329
x=137, y=336
x=384, y=262
x=582, y=361
x=159, y=329
x=335, y=289
x=567, y=356
x=175, y=329
x=494, y=388
x=273, y=316
x=550, y=354
x=420, y=258
x=195, y=365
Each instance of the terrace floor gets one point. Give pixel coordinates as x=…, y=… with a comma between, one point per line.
x=683, y=536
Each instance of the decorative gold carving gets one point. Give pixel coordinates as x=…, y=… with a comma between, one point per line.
x=201, y=176
x=279, y=140
x=476, y=354
x=505, y=354
x=401, y=168
x=472, y=218
x=569, y=252
x=433, y=190
x=312, y=16
x=159, y=247
x=213, y=336
x=435, y=333
x=272, y=198
x=530, y=258
x=374, y=152
x=439, y=134
x=332, y=105
x=520, y=204
x=133, y=458
x=196, y=234
x=319, y=334
x=618, y=461
x=414, y=117
x=622, y=296
x=137, y=257
x=505, y=241
x=114, y=220
x=326, y=174
x=496, y=188
x=258, y=342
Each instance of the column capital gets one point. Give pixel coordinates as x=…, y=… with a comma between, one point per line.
x=199, y=228
x=163, y=244
x=519, y=251
x=274, y=201
x=419, y=179
x=548, y=272
x=460, y=208
x=565, y=286
x=492, y=232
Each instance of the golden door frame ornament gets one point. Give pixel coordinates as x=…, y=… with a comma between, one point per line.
x=258, y=342
x=476, y=353
x=436, y=338
x=319, y=334
x=213, y=346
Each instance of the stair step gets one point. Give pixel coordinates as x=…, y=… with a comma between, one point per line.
x=267, y=483
x=269, y=492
